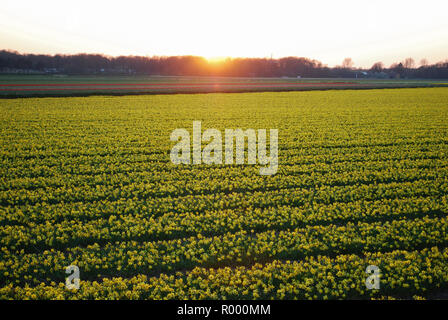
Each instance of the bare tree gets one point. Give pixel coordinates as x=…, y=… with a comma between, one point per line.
x=424, y=62
x=377, y=67
x=347, y=63
x=409, y=63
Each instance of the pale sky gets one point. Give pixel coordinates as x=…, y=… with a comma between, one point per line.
x=329, y=31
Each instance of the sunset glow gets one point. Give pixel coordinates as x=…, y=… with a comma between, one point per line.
x=328, y=31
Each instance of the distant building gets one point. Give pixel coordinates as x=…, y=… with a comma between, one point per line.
x=50, y=70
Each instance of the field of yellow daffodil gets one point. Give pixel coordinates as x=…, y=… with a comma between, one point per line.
x=362, y=180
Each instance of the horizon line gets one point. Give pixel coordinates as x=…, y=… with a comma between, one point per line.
x=211, y=60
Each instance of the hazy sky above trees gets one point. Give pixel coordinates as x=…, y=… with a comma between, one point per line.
x=329, y=31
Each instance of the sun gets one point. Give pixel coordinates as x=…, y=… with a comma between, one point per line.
x=215, y=60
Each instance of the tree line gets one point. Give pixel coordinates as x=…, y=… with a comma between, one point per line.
x=14, y=62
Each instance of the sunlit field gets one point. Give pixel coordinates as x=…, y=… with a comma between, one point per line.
x=362, y=180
